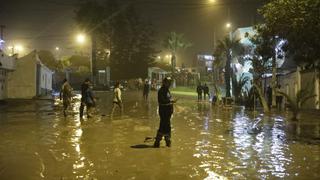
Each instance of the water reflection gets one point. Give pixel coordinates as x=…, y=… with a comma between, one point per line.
x=209, y=142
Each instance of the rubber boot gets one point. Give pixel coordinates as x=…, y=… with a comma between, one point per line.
x=157, y=141
x=168, y=141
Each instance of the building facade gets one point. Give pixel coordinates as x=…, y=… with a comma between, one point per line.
x=30, y=79
x=7, y=66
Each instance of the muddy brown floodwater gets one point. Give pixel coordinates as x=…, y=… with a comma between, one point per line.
x=37, y=142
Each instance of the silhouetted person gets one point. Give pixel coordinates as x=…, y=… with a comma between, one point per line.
x=199, y=91
x=146, y=90
x=205, y=91
x=84, y=88
x=65, y=95
x=165, y=112
x=269, y=96
x=90, y=100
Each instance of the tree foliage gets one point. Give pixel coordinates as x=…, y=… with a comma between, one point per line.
x=174, y=42
x=225, y=51
x=121, y=30
x=48, y=59
x=297, y=21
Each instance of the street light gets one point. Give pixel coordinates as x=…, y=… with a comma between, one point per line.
x=228, y=25
x=81, y=38
x=57, y=48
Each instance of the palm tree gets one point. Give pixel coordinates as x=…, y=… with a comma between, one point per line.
x=173, y=42
x=238, y=86
x=228, y=48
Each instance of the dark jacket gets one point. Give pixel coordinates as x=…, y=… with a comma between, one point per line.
x=199, y=89
x=164, y=100
x=84, y=88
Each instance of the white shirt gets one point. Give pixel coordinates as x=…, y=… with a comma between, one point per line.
x=116, y=95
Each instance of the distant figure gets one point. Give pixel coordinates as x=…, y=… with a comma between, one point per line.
x=278, y=97
x=117, y=101
x=269, y=96
x=146, y=90
x=90, y=100
x=65, y=95
x=165, y=112
x=84, y=87
x=199, y=91
x=205, y=91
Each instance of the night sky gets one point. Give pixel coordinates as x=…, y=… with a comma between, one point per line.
x=45, y=24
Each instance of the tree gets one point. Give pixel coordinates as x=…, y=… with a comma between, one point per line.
x=226, y=50
x=128, y=38
x=174, y=42
x=238, y=87
x=264, y=56
x=48, y=59
x=297, y=21
x=77, y=63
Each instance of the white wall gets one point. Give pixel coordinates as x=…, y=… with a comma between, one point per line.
x=45, y=78
x=22, y=81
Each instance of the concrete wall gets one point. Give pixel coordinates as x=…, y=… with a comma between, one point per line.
x=22, y=82
x=289, y=84
x=309, y=80
x=292, y=82
x=45, y=80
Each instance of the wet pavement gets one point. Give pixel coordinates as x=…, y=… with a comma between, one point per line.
x=37, y=142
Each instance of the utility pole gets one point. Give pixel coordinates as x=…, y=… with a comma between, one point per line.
x=94, y=58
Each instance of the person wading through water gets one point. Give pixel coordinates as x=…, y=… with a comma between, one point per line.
x=84, y=88
x=146, y=90
x=165, y=112
x=117, y=101
x=65, y=95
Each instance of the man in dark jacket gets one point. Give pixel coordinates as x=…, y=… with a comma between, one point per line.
x=206, y=91
x=199, y=91
x=165, y=111
x=84, y=88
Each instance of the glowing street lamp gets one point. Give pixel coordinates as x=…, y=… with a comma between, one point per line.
x=57, y=48
x=81, y=38
x=228, y=25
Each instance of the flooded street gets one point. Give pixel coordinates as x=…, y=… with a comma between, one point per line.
x=208, y=142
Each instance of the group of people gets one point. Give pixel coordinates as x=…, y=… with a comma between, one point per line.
x=202, y=89
x=88, y=99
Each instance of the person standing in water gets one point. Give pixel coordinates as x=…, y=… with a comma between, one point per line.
x=66, y=95
x=84, y=88
x=146, y=90
x=117, y=100
x=165, y=112
x=205, y=91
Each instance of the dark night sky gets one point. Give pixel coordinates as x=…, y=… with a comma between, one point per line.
x=45, y=24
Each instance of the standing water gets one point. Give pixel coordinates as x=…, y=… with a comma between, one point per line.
x=208, y=142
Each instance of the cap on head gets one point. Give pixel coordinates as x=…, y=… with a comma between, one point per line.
x=167, y=79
